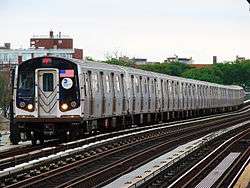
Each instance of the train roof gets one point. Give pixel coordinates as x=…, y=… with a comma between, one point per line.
x=130, y=70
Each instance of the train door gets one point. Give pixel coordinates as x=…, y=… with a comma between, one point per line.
x=173, y=95
x=180, y=94
x=177, y=95
x=153, y=95
x=47, y=90
x=132, y=94
x=166, y=95
x=119, y=94
x=184, y=95
x=145, y=106
x=190, y=96
x=85, y=94
x=103, y=106
x=137, y=90
x=149, y=94
x=157, y=95
x=96, y=94
x=108, y=94
x=162, y=96
x=123, y=94
x=140, y=95
x=113, y=91
x=90, y=98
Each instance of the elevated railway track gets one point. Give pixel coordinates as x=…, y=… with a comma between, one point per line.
x=87, y=166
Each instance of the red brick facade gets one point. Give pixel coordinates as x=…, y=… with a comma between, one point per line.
x=78, y=54
x=58, y=42
x=51, y=43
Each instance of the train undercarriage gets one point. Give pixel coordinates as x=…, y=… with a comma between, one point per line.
x=40, y=130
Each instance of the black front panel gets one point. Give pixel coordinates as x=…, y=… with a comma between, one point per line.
x=69, y=92
x=25, y=88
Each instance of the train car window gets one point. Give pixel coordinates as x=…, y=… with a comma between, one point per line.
x=48, y=82
x=107, y=83
x=117, y=83
x=95, y=84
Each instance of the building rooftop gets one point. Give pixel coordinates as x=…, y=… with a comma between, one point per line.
x=51, y=36
x=199, y=66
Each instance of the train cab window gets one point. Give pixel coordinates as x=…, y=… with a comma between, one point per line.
x=95, y=84
x=26, y=84
x=48, y=82
x=107, y=83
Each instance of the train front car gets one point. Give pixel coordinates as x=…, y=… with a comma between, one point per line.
x=46, y=99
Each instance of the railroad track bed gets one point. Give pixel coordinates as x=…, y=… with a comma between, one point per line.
x=218, y=163
x=25, y=148
x=25, y=153
x=163, y=169
x=223, y=167
x=99, y=162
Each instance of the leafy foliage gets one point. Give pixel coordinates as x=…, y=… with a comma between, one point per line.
x=4, y=93
x=230, y=73
x=116, y=61
x=173, y=69
x=209, y=74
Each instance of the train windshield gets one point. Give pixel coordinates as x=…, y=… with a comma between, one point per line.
x=26, y=84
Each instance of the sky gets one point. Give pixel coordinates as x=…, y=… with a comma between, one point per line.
x=152, y=29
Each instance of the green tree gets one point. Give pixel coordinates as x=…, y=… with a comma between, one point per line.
x=4, y=93
x=88, y=58
x=235, y=73
x=173, y=69
x=116, y=61
x=209, y=74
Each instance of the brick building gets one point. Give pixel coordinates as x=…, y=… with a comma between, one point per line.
x=51, y=45
x=55, y=42
x=51, y=41
x=176, y=59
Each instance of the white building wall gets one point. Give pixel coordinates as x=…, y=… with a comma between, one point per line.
x=11, y=56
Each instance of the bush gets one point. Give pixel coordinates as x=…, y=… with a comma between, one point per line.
x=4, y=93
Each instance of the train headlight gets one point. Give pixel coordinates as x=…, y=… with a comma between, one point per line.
x=22, y=104
x=30, y=106
x=73, y=104
x=64, y=106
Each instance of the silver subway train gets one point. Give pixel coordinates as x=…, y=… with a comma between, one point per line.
x=67, y=98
